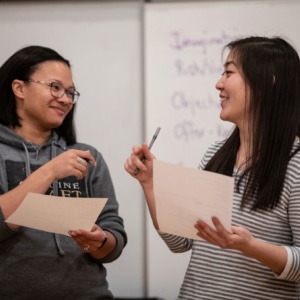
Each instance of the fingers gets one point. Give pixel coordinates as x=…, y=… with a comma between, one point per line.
x=86, y=248
x=138, y=160
x=204, y=231
x=80, y=166
x=218, y=236
x=82, y=161
x=89, y=241
x=133, y=161
x=147, y=153
x=85, y=157
x=72, y=163
x=79, y=157
x=129, y=166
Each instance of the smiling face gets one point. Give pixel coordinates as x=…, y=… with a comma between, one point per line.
x=234, y=94
x=36, y=106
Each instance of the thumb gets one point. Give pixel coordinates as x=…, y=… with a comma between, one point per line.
x=147, y=153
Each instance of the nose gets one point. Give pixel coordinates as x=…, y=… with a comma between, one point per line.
x=64, y=99
x=219, y=84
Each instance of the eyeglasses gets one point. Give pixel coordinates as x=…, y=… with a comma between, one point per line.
x=57, y=90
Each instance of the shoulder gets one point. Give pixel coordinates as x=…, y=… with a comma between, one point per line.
x=295, y=153
x=83, y=146
x=210, y=152
x=294, y=161
x=213, y=148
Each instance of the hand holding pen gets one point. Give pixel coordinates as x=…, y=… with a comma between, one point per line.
x=72, y=162
x=140, y=165
x=83, y=156
x=149, y=147
x=135, y=161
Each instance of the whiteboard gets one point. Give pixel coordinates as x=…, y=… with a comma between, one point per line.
x=183, y=43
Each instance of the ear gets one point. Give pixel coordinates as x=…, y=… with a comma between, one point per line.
x=17, y=87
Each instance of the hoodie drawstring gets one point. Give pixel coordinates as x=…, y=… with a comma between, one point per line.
x=55, y=193
x=55, y=190
x=27, y=164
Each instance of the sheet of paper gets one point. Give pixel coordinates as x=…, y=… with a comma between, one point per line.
x=57, y=214
x=184, y=195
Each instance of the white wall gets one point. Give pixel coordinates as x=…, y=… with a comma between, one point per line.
x=102, y=41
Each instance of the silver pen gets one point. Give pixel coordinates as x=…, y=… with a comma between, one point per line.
x=149, y=146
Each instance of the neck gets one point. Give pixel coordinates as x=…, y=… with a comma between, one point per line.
x=33, y=136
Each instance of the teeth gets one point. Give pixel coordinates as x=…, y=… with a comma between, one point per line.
x=223, y=99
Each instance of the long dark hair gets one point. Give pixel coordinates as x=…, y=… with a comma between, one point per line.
x=271, y=70
x=21, y=65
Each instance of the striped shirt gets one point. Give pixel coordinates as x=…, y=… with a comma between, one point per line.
x=215, y=273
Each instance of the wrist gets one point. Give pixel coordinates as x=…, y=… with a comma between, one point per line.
x=103, y=242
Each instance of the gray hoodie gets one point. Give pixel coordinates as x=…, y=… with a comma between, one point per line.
x=39, y=265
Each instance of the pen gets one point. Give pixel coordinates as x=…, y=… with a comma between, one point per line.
x=150, y=145
x=87, y=160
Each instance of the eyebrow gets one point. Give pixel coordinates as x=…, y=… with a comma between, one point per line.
x=228, y=63
x=58, y=81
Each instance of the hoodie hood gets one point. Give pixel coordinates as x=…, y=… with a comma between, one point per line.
x=15, y=149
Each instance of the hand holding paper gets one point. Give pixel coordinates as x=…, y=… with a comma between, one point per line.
x=57, y=214
x=184, y=195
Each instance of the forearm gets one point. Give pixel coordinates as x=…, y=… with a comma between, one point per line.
x=270, y=255
x=149, y=195
x=37, y=182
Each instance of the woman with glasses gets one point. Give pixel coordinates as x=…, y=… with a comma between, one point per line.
x=39, y=153
x=259, y=258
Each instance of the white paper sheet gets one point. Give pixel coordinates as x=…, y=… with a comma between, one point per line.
x=184, y=195
x=57, y=214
